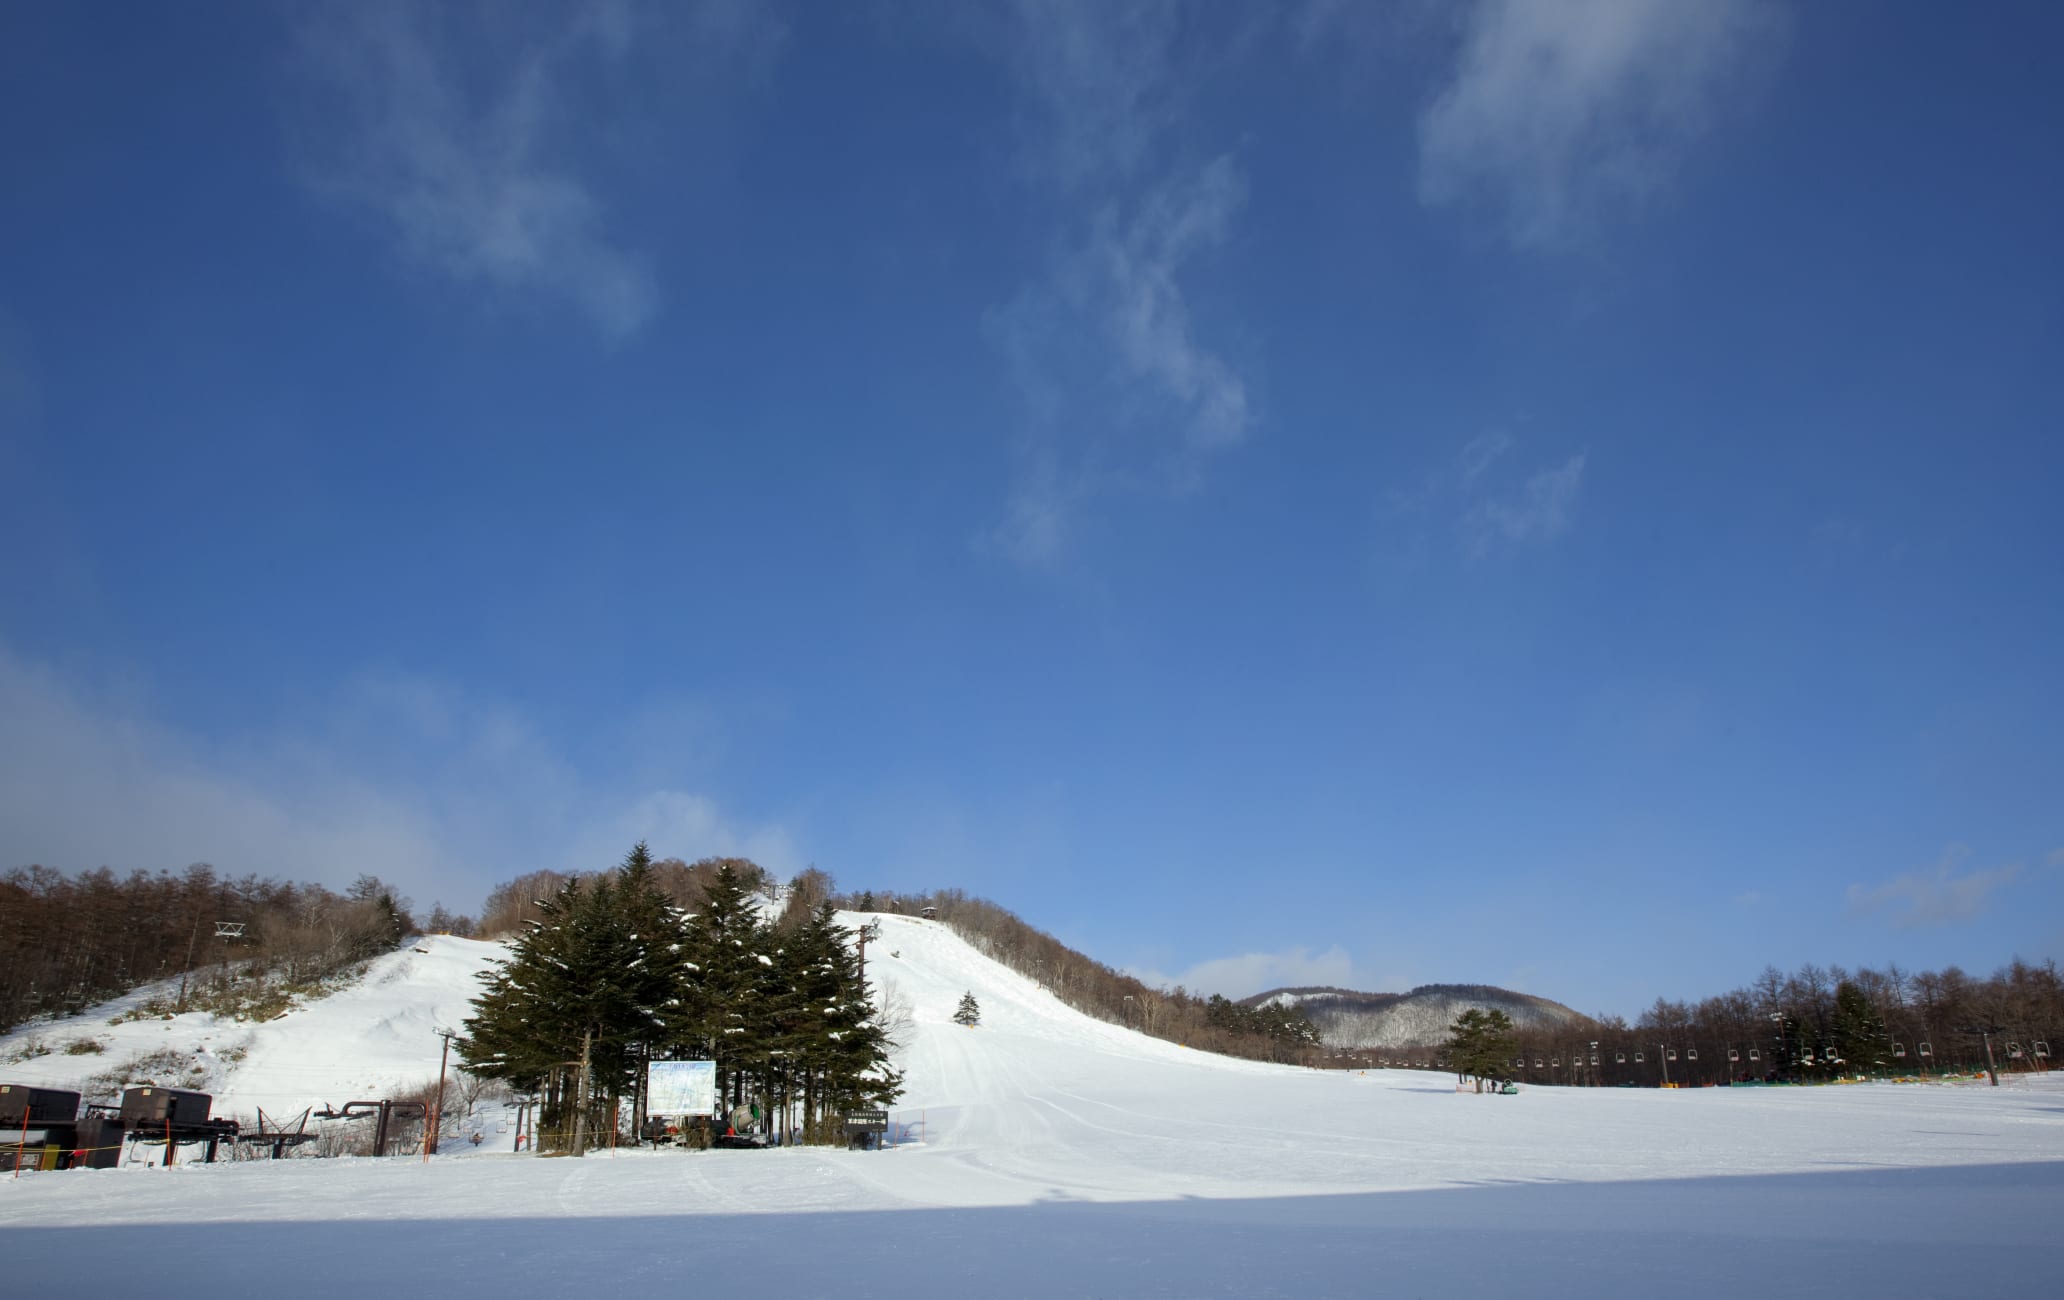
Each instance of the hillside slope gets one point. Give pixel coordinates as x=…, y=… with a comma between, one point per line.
x=375, y=1038
x=1421, y=1018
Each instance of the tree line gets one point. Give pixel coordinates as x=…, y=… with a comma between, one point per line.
x=69, y=942
x=1814, y=1024
x=609, y=974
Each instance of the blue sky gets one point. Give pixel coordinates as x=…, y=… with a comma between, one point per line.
x=1563, y=495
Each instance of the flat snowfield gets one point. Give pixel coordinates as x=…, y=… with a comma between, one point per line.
x=1054, y=1155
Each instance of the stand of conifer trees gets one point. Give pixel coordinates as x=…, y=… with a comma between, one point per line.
x=609, y=976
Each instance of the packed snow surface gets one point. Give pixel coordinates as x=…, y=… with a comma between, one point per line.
x=374, y=1039
x=1052, y=1154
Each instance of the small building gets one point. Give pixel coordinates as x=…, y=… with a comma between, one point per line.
x=929, y=913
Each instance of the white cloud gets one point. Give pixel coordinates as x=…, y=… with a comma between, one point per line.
x=461, y=140
x=1557, y=112
x=1099, y=79
x=1540, y=512
x=1943, y=894
x=439, y=792
x=1119, y=389
x=1145, y=313
x=1039, y=518
x=1257, y=972
x=1481, y=453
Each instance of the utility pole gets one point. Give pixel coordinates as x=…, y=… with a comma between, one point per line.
x=192, y=940
x=1985, y=1031
x=437, y=1102
x=871, y=930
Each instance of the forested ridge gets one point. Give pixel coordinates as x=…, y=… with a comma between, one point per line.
x=70, y=942
x=1816, y=1023
x=245, y=943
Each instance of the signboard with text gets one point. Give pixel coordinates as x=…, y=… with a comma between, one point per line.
x=681, y=1088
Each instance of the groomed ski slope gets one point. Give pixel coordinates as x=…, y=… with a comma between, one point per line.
x=1064, y=1156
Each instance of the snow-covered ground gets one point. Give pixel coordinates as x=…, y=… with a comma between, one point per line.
x=367, y=1041
x=1063, y=1156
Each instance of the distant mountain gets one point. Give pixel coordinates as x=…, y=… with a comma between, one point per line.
x=1347, y=1018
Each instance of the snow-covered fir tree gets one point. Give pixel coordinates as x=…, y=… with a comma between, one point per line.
x=611, y=973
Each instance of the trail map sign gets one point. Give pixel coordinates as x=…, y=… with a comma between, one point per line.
x=681, y=1088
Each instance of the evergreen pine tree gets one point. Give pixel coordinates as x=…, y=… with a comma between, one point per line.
x=1859, y=1035
x=724, y=1011
x=858, y=1072
x=969, y=1013
x=1479, y=1044
x=593, y=980
x=656, y=971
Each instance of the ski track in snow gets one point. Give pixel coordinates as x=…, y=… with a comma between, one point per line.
x=1061, y=1156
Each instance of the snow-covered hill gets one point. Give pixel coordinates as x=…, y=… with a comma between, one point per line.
x=1421, y=1018
x=373, y=1039
x=1054, y=1154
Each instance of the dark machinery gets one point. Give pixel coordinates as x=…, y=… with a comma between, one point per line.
x=175, y=1117
x=153, y=1105
x=277, y=1135
x=384, y=1111
x=39, y=1126
x=21, y=1104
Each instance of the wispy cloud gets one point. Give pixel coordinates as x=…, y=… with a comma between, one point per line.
x=456, y=131
x=1558, y=113
x=1539, y=512
x=1099, y=82
x=1481, y=452
x=1256, y=972
x=1943, y=894
x=1118, y=388
x=1145, y=313
x=425, y=785
x=1476, y=493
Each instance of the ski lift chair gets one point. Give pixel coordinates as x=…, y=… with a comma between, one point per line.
x=1638, y=1058
x=2014, y=1051
x=1619, y=1058
x=1733, y=1055
x=2042, y=1050
x=1755, y=1055
x=1539, y=1064
x=1899, y=1051
x=1691, y=1053
x=1594, y=1058
x=1927, y=1050
x=1669, y=1053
